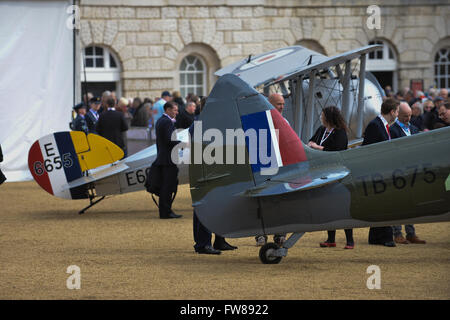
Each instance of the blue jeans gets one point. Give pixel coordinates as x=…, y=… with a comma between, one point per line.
x=409, y=229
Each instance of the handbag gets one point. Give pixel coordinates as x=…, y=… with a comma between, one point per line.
x=153, y=180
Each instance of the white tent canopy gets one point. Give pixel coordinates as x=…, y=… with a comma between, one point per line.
x=36, y=80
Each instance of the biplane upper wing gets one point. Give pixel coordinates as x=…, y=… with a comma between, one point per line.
x=324, y=64
x=271, y=65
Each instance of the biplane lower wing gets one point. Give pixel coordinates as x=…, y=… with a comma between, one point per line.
x=313, y=178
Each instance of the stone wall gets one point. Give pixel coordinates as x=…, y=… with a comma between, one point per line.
x=149, y=37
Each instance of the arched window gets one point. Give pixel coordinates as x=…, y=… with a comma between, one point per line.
x=442, y=68
x=102, y=70
x=192, y=76
x=383, y=64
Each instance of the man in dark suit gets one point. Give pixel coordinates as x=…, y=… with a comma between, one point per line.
x=402, y=128
x=378, y=130
x=169, y=170
x=111, y=125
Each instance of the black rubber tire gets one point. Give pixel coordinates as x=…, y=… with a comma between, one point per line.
x=263, y=254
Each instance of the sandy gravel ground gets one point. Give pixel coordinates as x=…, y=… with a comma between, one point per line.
x=125, y=252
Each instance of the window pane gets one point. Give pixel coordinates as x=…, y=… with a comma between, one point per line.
x=442, y=84
x=199, y=78
x=89, y=63
x=380, y=55
x=198, y=65
x=112, y=62
x=190, y=79
x=190, y=59
x=371, y=55
x=99, y=51
x=99, y=63
x=88, y=51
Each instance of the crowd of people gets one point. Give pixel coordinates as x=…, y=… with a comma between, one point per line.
x=402, y=114
x=427, y=108
x=111, y=117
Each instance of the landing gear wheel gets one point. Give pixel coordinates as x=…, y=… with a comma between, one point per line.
x=266, y=253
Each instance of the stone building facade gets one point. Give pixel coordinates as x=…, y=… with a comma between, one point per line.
x=150, y=39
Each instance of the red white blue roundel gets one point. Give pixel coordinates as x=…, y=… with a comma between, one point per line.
x=266, y=58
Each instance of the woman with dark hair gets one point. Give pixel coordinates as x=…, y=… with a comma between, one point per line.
x=332, y=136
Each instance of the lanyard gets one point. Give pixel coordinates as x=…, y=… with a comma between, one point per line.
x=325, y=135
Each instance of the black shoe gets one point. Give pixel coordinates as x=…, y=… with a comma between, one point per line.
x=171, y=215
x=224, y=246
x=207, y=250
x=389, y=244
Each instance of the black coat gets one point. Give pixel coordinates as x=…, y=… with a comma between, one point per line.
x=111, y=124
x=164, y=144
x=432, y=121
x=336, y=141
x=397, y=132
x=375, y=132
x=184, y=119
x=418, y=122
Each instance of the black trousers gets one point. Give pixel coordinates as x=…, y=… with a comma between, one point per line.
x=348, y=236
x=202, y=236
x=380, y=235
x=169, y=184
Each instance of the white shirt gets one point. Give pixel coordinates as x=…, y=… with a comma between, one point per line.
x=385, y=123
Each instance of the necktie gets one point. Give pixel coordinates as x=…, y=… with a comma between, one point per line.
x=387, y=129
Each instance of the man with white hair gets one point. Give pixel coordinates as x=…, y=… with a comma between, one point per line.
x=443, y=93
x=416, y=117
x=402, y=128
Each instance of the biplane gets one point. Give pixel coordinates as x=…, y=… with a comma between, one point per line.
x=400, y=181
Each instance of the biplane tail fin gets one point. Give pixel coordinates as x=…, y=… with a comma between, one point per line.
x=269, y=145
x=62, y=157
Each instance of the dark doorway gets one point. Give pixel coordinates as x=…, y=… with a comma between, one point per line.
x=385, y=78
x=97, y=88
